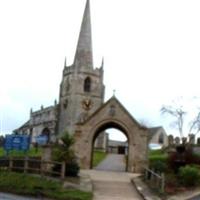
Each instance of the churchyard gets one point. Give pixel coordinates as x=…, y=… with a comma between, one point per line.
x=177, y=165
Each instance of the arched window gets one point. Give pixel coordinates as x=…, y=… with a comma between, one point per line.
x=161, y=138
x=46, y=132
x=87, y=84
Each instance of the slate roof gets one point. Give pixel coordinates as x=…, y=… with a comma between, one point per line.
x=153, y=131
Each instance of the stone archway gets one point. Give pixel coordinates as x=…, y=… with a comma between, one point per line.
x=101, y=127
x=112, y=114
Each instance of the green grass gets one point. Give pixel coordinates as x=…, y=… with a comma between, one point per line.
x=25, y=184
x=98, y=156
x=157, y=156
x=31, y=153
x=2, y=151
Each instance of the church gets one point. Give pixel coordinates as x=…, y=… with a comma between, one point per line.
x=81, y=92
x=81, y=109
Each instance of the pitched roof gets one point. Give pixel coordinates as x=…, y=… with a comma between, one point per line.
x=153, y=130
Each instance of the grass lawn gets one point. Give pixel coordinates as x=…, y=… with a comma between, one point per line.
x=155, y=155
x=31, y=152
x=25, y=184
x=98, y=156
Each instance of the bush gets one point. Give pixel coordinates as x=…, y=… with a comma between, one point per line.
x=72, y=169
x=187, y=157
x=159, y=166
x=189, y=175
x=64, y=153
x=158, y=160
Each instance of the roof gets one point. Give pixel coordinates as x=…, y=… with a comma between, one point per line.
x=154, y=130
x=117, y=143
x=23, y=126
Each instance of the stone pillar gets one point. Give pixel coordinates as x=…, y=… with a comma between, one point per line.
x=177, y=140
x=46, y=156
x=191, y=138
x=170, y=140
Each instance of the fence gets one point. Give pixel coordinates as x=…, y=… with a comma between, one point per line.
x=156, y=180
x=35, y=166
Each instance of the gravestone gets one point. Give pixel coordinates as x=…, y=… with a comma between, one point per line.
x=191, y=138
x=198, y=141
x=177, y=140
x=170, y=140
x=184, y=140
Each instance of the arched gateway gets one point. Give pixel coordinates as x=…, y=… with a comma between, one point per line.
x=112, y=114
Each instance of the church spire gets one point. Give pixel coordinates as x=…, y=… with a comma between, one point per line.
x=65, y=63
x=83, y=56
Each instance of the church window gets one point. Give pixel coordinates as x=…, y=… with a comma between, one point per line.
x=161, y=138
x=87, y=84
x=46, y=132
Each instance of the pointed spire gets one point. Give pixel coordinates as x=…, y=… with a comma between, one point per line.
x=83, y=56
x=65, y=63
x=102, y=62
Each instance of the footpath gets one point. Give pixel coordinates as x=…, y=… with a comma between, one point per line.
x=4, y=196
x=109, y=185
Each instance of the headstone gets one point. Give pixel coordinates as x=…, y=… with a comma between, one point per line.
x=191, y=138
x=177, y=140
x=184, y=140
x=198, y=141
x=170, y=140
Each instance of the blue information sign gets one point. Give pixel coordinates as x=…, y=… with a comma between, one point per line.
x=41, y=139
x=18, y=142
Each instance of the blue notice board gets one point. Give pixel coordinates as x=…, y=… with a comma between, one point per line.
x=41, y=139
x=17, y=142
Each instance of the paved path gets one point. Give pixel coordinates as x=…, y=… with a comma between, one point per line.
x=112, y=185
x=113, y=162
x=4, y=196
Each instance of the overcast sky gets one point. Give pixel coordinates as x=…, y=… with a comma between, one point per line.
x=151, y=51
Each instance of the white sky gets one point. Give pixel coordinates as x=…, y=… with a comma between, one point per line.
x=151, y=51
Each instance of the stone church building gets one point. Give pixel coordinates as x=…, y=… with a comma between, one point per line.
x=81, y=109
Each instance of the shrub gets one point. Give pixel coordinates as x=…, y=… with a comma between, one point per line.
x=63, y=152
x=159, y=166
x=158, y=160
x=72, y=169
x=171, y=180
x=187, y=157
x=189, y=175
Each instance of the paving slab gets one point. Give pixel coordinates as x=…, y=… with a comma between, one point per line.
x=112, y=162
x=113, y=185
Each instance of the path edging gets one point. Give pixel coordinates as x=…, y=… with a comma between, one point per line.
x=143, y=189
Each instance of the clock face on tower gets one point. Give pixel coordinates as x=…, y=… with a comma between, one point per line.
x=87, y=104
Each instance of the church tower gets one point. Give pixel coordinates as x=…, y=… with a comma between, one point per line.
x=81, y=88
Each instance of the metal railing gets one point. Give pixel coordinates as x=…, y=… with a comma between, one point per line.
x=156, y=180
x=35, y=166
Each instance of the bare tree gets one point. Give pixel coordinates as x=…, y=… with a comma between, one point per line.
x=178, y=113
x=195, y=124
